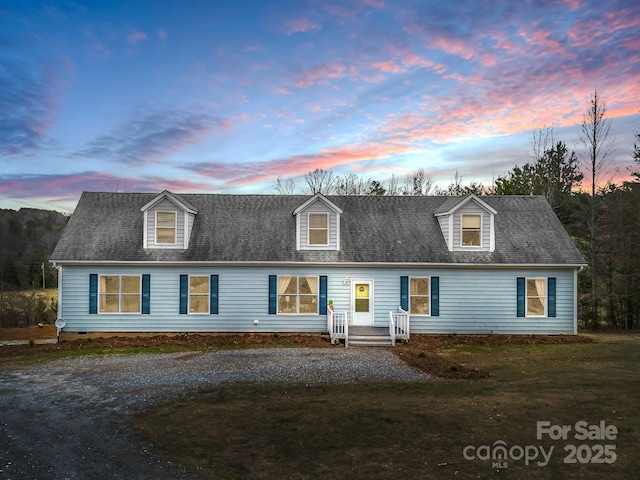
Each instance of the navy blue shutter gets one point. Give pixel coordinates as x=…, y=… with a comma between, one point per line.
x=146, y=293
x=93, y=293
x=521, y=285
x=184, y=294
x=551, y=286
x=323, y=295
x=404, y=293
x=213, y=295
x=435, y=296
x=273, y=294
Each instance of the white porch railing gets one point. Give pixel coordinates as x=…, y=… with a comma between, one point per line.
x=338, y=325
x=398, y=325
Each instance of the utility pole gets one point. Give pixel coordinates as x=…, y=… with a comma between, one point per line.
x=42, y=267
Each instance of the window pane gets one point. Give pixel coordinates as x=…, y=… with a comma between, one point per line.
x=288, y=285
x=166, y=219
x=420, y=305
x=362, y=291
x=318, y=220
x=199, y=284
x=362, y=304
x=109, y=284
x=287, y=304
x=109, y=303
x=131, y=284
x=419, y=286
x=318, y=237
x=535, y=306
x=199, y=303
x=131, y=303
x=308, y=304
x=470, y=238
x=308, y=285
x=165, y=235
x=471, y=221
x=536, y=288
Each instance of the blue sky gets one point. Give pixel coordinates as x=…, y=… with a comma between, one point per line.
x=225, y=96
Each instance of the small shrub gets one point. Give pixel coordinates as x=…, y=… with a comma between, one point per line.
x=32, y=343
x=182, y=335
x=422, y=355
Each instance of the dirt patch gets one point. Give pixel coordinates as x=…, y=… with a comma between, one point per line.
x=188, y=341
x=422, y=351
x=45, y=332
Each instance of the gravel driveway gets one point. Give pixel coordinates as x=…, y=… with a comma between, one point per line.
x=67, y=419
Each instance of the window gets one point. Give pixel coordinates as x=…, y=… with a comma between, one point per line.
x=536, y=297
x=419, y=296
x=318, y=229
x=297, y=294
x=199, y=294
x=120, y=293
x=165, y=227
x=471, y=230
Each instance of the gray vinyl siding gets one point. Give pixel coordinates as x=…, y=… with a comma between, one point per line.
x=443, y=221
x=318, y=207
x=472, y=300
x=165, y=206
x=471, y=208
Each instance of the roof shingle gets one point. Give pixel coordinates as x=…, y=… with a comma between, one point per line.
x=261, y=228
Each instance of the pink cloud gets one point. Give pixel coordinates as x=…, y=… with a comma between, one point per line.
x=136, y=37
x=320, y=74
x=252, y=173
x=300, y=25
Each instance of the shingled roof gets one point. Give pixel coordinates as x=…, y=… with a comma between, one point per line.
x=108, y=227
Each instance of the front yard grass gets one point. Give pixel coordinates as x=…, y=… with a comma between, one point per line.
x=419, y=430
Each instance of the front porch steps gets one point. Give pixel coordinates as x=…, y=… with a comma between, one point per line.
x=369, y=337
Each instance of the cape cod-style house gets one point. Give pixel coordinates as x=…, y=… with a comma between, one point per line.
x=139, y=262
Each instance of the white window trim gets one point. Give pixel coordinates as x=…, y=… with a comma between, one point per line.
x=546, y=297
x=420, y=314
x=175, y=228
x=471, y=247
x=297, y=295
x=208, y=295
x=119, y=312
x=328, y=229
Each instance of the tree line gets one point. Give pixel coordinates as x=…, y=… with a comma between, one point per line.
x=602, y=217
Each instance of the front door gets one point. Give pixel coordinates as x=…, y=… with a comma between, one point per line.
x=362, y=302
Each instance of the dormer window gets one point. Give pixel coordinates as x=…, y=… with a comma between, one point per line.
x=471, y=230
x=318, y=229
x=166, y=228
x=318, y=224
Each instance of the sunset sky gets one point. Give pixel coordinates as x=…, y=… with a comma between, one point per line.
x=225, y=96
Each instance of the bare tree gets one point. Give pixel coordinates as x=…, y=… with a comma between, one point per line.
x=351, y=184
x=543, y=140
x=320, y=181
x=393, y=185
x=416, y=183
x=284, y=186
x=595, y=136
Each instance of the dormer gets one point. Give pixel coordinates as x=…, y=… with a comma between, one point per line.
x=467, y=224
x=168, y=221
x=318, y=224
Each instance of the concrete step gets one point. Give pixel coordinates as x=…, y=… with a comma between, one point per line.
x=370, y=341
